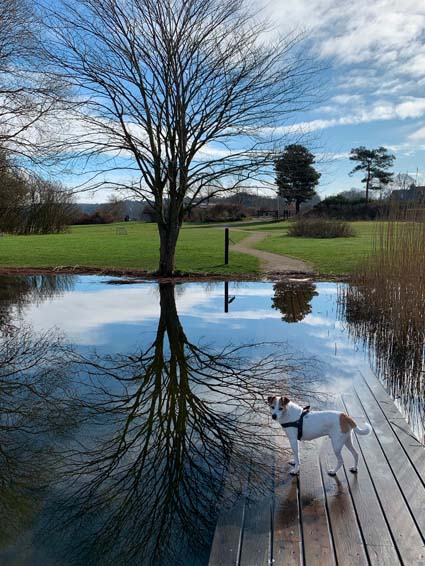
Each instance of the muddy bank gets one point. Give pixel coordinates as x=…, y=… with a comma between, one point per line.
x=135, y=275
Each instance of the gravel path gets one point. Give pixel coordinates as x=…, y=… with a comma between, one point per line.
x=271, y=263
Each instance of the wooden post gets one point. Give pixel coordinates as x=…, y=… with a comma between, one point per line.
x=226, y=246
x=226, y=296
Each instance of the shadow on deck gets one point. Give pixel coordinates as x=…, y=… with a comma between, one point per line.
x=374, y=517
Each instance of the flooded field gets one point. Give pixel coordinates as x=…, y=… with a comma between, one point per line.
x=123, y=407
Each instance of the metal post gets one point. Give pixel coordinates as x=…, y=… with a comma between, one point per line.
x=226, y=246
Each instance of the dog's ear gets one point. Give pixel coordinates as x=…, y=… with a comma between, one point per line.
x=285, y=400
x=270, y=400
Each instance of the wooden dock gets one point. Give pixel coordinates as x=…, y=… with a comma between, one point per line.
x=374, y=517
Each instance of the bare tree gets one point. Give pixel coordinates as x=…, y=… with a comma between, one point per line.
x=27, y=94
x=190, y=96
x=30, y=204
x=403, y=181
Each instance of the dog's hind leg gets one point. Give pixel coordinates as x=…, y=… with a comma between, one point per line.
x=337, y=444
x=349, y=445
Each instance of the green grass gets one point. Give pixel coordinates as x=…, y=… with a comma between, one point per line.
x=198, y=250
x=337, y=256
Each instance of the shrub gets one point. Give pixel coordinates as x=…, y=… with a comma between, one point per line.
x=320, y=228
x=220, y=212
x=340, y=207
x=97, y=217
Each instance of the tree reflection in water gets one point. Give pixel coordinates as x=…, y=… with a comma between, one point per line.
x=165, y=427
x=293, y=299
x=396, y=345
x=123, y=458
x=21, y=291
x=34, y=413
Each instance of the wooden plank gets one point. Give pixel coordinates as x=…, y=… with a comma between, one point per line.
x=347, y=538
x=403, y=470
x=316, y=534
x=375, y=533
x=227, y=541
x=404, y=532
x=256, y=542
x=225, y=548
x=287, y=543
x=415, y=451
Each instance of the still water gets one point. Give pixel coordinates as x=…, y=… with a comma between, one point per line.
x=124, y=407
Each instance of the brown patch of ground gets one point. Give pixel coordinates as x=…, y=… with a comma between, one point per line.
x=136, y=275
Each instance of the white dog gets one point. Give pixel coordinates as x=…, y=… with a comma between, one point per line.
x=303, y=424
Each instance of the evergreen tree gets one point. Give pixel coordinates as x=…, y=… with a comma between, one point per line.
x=296, y=177
x=375, y=164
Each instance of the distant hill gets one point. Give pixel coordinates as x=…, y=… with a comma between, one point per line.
x=133, y=208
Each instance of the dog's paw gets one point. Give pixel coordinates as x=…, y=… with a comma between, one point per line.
x=291, y=462
x=331, y=473
x=353, y=470
x=295, y=472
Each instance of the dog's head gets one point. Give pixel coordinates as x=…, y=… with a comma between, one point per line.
x=278, y=405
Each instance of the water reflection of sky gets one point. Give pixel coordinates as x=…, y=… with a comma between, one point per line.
x=128, y=458
x=117, y=318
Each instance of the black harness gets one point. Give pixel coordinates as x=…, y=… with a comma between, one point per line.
x=299, y=423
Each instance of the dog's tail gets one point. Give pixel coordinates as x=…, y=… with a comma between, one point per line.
x=366, y=430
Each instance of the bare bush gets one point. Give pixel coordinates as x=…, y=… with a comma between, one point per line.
x=320, y=228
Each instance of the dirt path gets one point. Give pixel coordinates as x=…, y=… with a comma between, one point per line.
x=271, y=263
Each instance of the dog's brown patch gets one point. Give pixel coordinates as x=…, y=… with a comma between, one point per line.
x=285, y=400
x=346, y=423
x=270, y=400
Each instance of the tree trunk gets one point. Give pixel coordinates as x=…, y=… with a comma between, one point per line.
x=168, y=236
x=297, y=207
x=367, y=187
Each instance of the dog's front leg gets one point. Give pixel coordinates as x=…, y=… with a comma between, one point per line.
x=293, y=441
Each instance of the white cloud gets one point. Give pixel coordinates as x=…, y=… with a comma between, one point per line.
x=84, y=317
x=411, y=107
x=418, y=135
x=356, y=31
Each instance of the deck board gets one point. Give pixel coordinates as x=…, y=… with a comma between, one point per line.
x=401, y=524
x=314, y=521
x=287, y=542
x=374, y=528
x=410, y=444
x=404, y=472
x=256, y=547
x=347, y=537
x=375, y=517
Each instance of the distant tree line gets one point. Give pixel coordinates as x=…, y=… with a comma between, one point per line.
x=30, y=204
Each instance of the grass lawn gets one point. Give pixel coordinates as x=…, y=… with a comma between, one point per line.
x=334, y=256
x=198, y=250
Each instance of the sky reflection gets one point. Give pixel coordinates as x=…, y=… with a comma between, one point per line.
x=115, y=317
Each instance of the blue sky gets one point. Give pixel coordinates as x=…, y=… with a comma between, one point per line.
x=372, y=89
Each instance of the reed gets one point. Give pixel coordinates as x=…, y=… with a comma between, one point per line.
x=384, y=305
